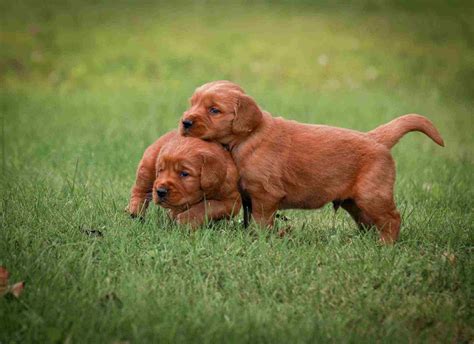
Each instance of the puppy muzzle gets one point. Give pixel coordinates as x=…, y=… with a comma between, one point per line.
x=187, y=124
x=161, y=193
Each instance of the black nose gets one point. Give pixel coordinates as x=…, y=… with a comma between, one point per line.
x=187, y=124
x=161, y=192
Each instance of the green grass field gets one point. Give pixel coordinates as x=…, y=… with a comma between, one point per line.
x=86, y=86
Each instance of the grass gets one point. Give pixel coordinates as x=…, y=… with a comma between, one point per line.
x=86, y=86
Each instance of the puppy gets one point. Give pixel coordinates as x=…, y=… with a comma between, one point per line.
x=192, y=178
x=285, y=164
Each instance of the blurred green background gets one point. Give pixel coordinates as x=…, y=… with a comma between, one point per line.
x=85, y=86
x=315, y=61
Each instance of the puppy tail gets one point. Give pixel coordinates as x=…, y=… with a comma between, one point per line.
x=388, y=134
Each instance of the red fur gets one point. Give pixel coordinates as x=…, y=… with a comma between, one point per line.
x=285, y=164
x=210, y=190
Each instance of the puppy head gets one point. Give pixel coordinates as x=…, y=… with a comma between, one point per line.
x=220, y=111
x=187, y=171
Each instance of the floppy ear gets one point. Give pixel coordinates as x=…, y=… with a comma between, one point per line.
x=247, y=115
x=213, y=173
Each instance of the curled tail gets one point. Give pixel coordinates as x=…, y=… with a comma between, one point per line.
x=389, y=134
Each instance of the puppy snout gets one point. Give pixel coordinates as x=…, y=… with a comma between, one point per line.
x=187, y=123
x=162, y=192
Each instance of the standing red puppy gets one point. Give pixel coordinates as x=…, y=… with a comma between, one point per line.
x=285, y=164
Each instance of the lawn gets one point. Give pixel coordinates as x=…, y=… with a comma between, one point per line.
x=85, y=86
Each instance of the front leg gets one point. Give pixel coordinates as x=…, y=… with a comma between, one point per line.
x=173, y=213
x=138, y=204
x=246, y=204
x=142, y=190
x=141, y=193
x=263, y=211
x=196, y=215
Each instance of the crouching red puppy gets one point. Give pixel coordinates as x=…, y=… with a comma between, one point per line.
x=194, y=179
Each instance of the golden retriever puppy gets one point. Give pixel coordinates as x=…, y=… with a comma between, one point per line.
x=285, y=164
x=192, y=178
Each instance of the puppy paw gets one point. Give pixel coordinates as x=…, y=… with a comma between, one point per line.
x=134, y=214
x=186, y=218
x=182, y=218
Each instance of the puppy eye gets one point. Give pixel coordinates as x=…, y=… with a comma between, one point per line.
x=214, y=110
x=184, y=174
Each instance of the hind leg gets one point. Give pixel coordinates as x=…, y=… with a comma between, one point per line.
x=362, y=219
x=385, y=217
x=374, y=197
x=390, y=227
